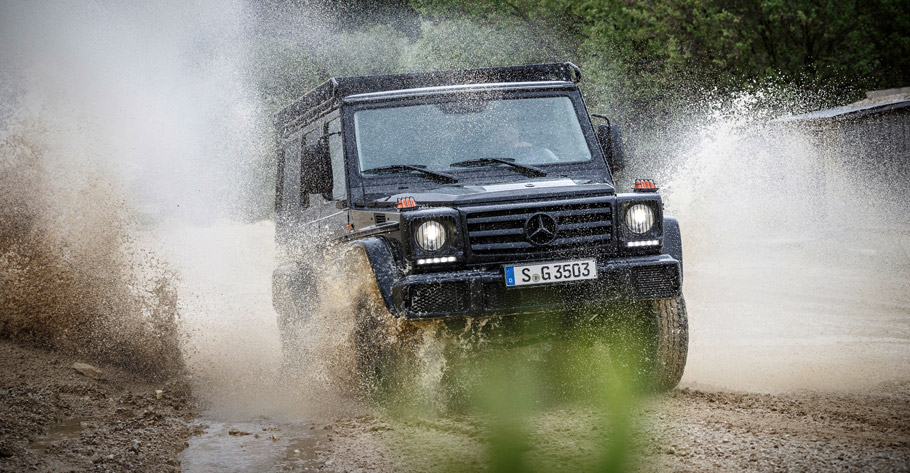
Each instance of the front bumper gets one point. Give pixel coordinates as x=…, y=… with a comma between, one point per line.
x=476, y=293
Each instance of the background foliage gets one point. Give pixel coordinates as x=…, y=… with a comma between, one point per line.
x=645, y=51
x=651, y=65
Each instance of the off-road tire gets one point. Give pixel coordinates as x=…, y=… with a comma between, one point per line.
x=384, y=347
x=373, y=356
x=395, y=358
x=672, y=343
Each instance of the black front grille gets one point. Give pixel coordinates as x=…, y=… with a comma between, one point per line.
x=451, y=297
x=496, y=233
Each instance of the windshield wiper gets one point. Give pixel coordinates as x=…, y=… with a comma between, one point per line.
x=529, y=171
x=440, y=177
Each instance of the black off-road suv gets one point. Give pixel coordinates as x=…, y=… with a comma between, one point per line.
x=475, y=193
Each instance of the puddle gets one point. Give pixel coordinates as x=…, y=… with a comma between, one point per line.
x=67, y=430
x=254, y=446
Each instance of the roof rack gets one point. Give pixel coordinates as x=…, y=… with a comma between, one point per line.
x=337, y=88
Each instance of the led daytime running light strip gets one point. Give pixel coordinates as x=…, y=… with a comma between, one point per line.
x=444, y=259
x=633, y=244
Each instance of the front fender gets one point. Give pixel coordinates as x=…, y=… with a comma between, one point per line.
x=673, y=242
x=385, y=268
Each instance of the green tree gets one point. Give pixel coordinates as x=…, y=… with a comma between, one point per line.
x=655, y=51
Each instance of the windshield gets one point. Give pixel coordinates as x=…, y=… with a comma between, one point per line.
x=436, y=136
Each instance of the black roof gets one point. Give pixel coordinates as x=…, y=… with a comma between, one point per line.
x=337, y=88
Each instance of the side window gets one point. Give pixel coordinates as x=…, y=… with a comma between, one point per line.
x=310, y=139
x=336, y=151
x=291, y=184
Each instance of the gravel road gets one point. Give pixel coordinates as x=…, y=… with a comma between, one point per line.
x=52, y=418
x=686, y=430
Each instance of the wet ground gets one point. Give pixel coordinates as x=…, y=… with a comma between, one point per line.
x=798, y=361
x=255, y=446
x=55, y=419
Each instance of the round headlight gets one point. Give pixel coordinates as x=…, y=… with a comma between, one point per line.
x=639, y=219
x=431, y=235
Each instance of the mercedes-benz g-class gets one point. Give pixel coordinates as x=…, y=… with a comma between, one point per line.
x=475, y=193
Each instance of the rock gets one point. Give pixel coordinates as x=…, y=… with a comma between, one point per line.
x=88, y=370
x=158, y=393
x=235, y=432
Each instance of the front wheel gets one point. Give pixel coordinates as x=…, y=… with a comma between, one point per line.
x=399, y=362
x=672, y=342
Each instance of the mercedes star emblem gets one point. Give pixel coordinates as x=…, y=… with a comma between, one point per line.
x=540, y=229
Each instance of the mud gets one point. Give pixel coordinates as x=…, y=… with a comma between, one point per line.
x=801, y=431
x=686, y=430
x=56, y=419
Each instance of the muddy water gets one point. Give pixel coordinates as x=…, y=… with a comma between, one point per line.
x=797, y=266
x=254, y=446
x=255, y=419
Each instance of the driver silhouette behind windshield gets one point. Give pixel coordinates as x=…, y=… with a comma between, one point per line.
x=506, y=142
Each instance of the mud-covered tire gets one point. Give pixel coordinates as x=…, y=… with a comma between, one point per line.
x=399, y=363
x=385, y=357
x=373, y=356
x=380, y=351
x=671, y=344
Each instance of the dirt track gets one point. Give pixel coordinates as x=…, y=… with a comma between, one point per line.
x=791, y=432
x=802, y=370
x=56, y=419
x=686, y=430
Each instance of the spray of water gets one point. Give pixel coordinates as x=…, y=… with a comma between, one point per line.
x=146, y=126
x=117, y=119
x=796, y=255
x=71, y=275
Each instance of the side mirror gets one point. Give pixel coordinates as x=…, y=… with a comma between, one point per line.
x=610, y=137
x=316, y=169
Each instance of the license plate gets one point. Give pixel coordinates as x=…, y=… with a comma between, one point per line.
x=546, y=273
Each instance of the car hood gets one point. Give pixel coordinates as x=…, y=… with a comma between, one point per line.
x=472, y=194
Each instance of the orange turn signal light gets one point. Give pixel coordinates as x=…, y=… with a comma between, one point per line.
x=645, y=185
x=406, y=203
